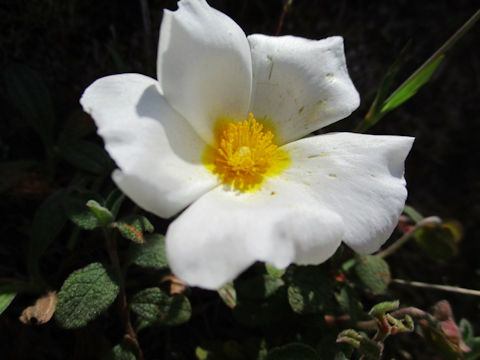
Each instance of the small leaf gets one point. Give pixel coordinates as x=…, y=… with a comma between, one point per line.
x=79, y=213
x=373, y=272
x=410, y=88
x=439, y=240
x=48, y=221
x=42, y=311
x=310, y=289
x=228, y=294
x=30, y=95
x=350, y=303
x=7, y=294
x=274, y=272
x=87, y=156
x=150, y=254
x=293, y=351
x=156, y=308
x=133, y=227
x=103, y=215
x=85, y=294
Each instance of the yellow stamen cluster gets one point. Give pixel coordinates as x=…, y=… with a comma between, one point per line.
x=244, y=154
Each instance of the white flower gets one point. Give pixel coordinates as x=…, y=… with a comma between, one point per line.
x=254, y=191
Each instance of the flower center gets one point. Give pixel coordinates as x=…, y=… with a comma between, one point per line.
x=245, y=154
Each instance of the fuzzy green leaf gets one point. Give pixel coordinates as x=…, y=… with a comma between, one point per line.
x=7, y=294
x=85, y=294
x=156, y=308
x=373, y=272
x=150, y=254
x=103, y=215
x=292, y=351
x=309, y=291
x=258, y=287
x=79, y=213
x=132, y=227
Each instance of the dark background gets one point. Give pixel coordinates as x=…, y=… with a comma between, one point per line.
x=72, y=43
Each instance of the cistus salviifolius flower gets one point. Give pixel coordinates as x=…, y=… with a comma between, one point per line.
x=221, y=132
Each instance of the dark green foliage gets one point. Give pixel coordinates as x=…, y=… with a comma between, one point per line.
x=7, y=294
x=121, y=351
x=156, y=308
x=77, y=210
x=30, y=95
x=309, y=290
x=48, y=221
x=85, y=294
x=151, y=253
x=87, y=156
x=133, y=227
x=373, y=272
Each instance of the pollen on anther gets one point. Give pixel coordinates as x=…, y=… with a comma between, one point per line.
x=244, y=154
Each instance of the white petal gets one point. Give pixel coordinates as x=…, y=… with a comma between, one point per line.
x=204, y=65
x=301, y=85
x=224, y=232
x=158, y=152
x=359, y=177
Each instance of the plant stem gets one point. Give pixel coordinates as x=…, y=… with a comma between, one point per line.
x=448, y=288
x=287, y=5
x=405, y=237
x=446, y=46
x=124, y=310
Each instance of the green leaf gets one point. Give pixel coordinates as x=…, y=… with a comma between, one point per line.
x=156, y=308
x=31, y=97
x=86, y=156
x=293, y=351
x=79, y=213
x=48, y=221
x=132, y=227
x=373, y=272
x=374, y=114
x=309, y=290
x=7, y=294
x=261, y=301
x=440, y=240
x=258, y=287
x=85, y=294
x=410, y=87
x=228, y=295
x=274, y=272
x=350, y=303
x=151, y=253
x=114, y=201
x=103, y=215
x=122, y=351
